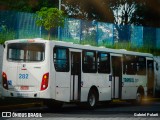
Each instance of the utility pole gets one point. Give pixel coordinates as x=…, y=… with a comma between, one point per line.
x=60, y=1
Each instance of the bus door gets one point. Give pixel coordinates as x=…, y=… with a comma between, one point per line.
x=75, y=75
x=116, y=77
x=150, y=77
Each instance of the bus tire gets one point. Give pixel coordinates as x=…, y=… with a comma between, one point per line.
x=92, y=99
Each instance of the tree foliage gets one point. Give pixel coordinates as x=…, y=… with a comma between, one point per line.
x=50, y=18
x=137, y=12
x=20, y=5
x=27, y=5
x=89, y=9
x=121, y=12
x=147, y=13
x=45, y=3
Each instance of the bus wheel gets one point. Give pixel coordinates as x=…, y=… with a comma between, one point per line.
x=92, y=99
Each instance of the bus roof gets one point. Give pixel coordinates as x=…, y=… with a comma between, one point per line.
x=78, y=46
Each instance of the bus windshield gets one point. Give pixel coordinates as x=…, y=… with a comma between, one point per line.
x=26, y=52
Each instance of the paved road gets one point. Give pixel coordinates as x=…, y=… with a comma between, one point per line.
x=116, y=111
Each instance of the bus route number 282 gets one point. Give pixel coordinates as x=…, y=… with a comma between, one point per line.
x=23, y=76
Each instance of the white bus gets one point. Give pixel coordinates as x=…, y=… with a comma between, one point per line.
x=59, y=72
x=157, y=76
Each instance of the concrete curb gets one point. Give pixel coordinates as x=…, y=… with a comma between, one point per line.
x=144, y=100
x=151, y=99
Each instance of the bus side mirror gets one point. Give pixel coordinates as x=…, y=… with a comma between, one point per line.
x=157, y=67
x=4, y=45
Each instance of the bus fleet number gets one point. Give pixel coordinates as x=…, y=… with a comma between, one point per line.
x=23, y=76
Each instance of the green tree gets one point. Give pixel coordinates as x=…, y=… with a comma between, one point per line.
x=147, y=13
x=88, y=9
x=50, y=18
x=19, y=5
x=27, y=5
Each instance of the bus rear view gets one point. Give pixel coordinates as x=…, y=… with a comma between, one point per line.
x=25, y=73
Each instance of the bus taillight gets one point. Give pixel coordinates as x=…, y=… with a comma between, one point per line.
x=4, y=80
x=44, y=83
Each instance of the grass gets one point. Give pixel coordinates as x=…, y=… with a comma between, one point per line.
x=6, y=35
x=9, y=35
x=88, y=42
x=128, y=46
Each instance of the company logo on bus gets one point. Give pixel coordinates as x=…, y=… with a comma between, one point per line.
x=128, y=79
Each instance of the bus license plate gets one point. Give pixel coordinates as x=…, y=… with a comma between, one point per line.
x=24, y=88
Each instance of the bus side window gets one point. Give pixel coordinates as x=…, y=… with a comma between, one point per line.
x=89, y=62
x=157, y=67
x=103, y=62
x=61, y=59
x=141, y=66
x=129, y=65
